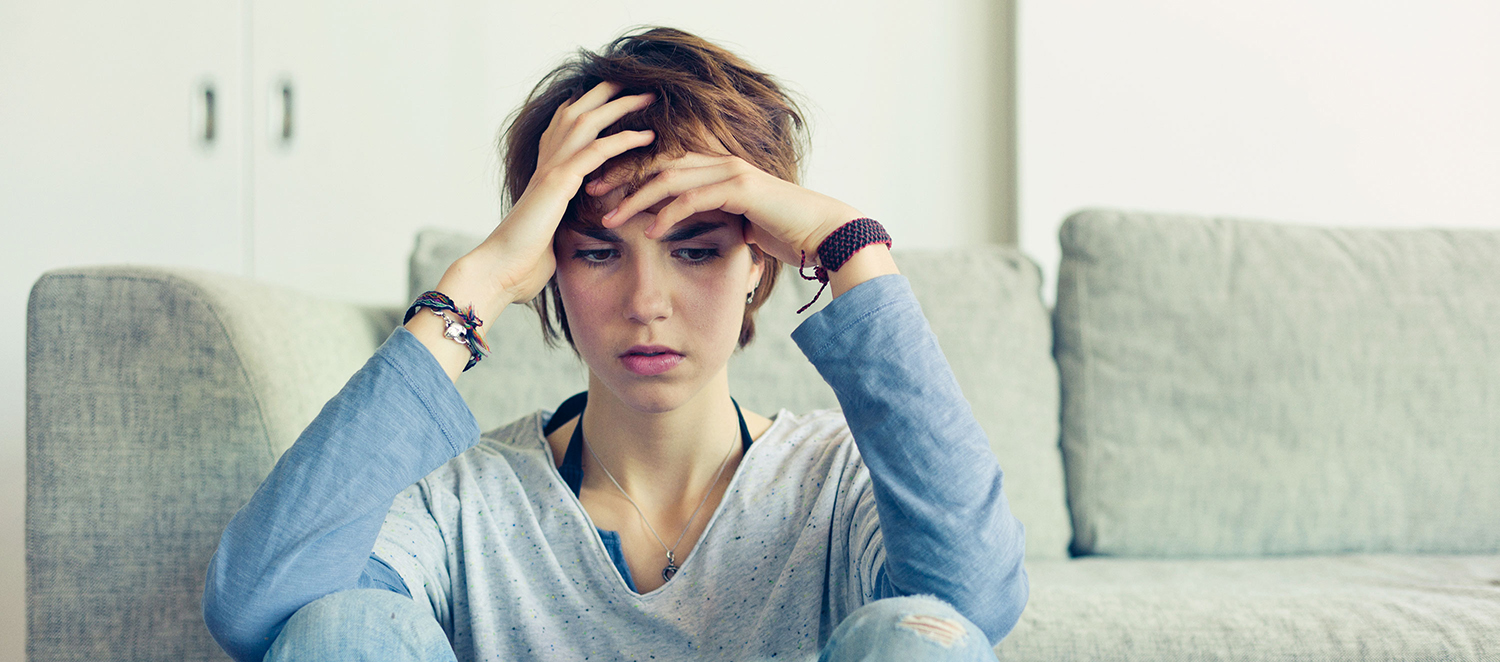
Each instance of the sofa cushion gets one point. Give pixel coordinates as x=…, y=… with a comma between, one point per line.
x=1235, y=387
x=156, y=401
x=983, y=303
x=1358, y=607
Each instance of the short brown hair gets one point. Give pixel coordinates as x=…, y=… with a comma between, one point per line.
x=702, y=90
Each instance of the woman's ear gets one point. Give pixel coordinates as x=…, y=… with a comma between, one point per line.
x=757, y=260
x=757, y=269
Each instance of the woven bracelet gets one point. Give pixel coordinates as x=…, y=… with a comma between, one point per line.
x=467, y=337
x=838, y=247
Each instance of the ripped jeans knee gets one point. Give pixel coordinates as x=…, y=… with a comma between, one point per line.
x=915, y=627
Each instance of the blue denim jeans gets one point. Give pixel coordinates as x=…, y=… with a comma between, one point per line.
x=371, y=624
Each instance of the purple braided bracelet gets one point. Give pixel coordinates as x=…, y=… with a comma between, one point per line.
x=838, y=247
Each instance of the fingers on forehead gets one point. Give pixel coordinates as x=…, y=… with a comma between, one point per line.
x=640, y=169
x=629, y=176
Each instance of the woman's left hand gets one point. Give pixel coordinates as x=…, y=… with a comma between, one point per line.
x=786, y=220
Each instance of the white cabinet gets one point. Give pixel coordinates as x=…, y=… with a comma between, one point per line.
x=105, y=158
x=338, y=129
x=387, y=133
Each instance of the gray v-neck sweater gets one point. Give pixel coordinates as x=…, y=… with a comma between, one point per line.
x=792, y=549
x=898, y=494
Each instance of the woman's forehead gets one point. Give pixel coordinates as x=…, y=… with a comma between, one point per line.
x=711, y=224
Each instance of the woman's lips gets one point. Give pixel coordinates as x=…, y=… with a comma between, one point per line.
x=650, y=360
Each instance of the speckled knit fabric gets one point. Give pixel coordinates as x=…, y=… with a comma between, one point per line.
x=536, y=580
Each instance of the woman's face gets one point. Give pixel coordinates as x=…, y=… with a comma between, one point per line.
x=656, y=320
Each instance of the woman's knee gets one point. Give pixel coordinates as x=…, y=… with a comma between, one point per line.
x=911, y=627
x=361, y=624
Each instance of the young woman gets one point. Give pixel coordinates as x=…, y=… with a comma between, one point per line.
x=654, y=198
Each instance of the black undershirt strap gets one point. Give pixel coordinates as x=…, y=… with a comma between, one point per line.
x=572, y=464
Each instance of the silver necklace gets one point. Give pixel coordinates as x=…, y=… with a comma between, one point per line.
x=671, y=569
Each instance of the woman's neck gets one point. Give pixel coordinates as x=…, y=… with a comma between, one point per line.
x=660, y=456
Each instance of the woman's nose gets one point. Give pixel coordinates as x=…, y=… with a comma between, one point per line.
x=649, y=298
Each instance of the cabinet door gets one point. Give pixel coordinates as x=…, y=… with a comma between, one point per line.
x=372, y=127
x=106, y=157
x=103, y=159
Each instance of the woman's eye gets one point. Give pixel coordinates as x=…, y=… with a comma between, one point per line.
x=595, y=256
x=697, y=255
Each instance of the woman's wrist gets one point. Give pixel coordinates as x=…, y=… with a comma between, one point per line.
x=834, y=220
x=854, y=252
x=466, y=286
x=470, y=283
x=869, y=262
x=431, y=332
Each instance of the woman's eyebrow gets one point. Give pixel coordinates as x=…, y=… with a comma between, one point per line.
x=602, y=234
x=690, y=230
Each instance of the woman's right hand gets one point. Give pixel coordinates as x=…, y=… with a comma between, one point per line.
x=516, y=260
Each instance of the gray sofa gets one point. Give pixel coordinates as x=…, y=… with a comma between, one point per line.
x=1231, y=440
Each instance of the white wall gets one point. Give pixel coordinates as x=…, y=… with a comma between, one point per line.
x=906, y=101
x=901, y=95
x=1333, y=112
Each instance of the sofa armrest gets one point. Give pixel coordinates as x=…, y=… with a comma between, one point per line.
x=157, y=400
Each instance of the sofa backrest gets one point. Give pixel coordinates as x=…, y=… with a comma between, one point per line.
x=1245, y=388
x=156, y=401
x=983, y=303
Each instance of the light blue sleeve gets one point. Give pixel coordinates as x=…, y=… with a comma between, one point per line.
x=309, y=529
x=943, y=522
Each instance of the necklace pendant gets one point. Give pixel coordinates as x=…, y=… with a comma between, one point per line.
x=671, y=569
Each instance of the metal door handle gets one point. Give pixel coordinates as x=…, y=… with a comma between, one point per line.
x=206, y=111
x=286, y=111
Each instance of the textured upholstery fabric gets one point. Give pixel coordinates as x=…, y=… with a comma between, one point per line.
x=1246, y=388
x=1357, y=608
x=157, y=400
x=1236, y=388
x=984, y=305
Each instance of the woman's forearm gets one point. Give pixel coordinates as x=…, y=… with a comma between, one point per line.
x=309, y=528
x=946, y=525
x=872, y=261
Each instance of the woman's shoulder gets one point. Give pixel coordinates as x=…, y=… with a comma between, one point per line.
x=515, y=446
x=818, y=432
x=504, y=477
x=522, y=434
x=816, y=424
x=813, y=450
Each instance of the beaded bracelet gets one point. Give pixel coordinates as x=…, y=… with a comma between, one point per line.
x=466, y=336
x=838, y=247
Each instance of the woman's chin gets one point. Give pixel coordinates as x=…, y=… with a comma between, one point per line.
x=655, y=399
x=650, y=395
